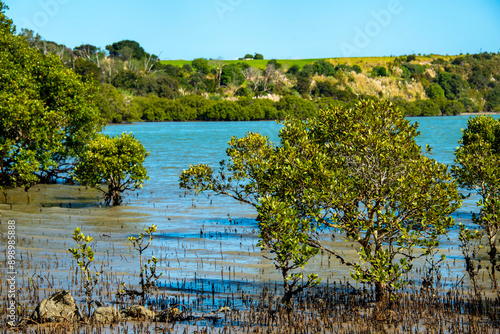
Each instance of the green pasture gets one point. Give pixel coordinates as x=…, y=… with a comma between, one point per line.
x=363, y=62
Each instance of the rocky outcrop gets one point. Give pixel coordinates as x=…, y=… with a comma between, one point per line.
x=137, y=312
x=106, y=315
x=59, y=307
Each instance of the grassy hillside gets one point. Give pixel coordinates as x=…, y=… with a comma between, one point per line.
x=363, y=62
x=261, y=64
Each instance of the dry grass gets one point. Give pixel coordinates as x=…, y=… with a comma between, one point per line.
x=386, y=87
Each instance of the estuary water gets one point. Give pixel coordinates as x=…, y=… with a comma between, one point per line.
x=175, y=146
x=203, y=242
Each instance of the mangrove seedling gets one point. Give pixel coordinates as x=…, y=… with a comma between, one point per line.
x=148, y=273
x=470, y=244
x=84, y=255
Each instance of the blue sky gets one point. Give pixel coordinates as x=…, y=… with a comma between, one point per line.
x=276, y=28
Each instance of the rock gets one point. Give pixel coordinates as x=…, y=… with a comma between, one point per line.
x=137, y=312
x=106, y=315
x=169, y=315
x=58, y=307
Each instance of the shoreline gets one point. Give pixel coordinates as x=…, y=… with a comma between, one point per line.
x=480, y=113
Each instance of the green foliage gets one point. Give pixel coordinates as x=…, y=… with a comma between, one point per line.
x=6, y=24
x=414, y=68
x=439, y=61
x=275, y=63
x=174, y=78
x=328, y=89
x=285, y=235
x=304, y=82
x=328, y=103
x=224, y=110
x=86, y=49
x=187, y=68
x=87, y=69
x=376, y=186
x=435, y=92
x=84, y=256
x=357, y=69
x=427, y=108
x=453, y=108
x=294, y=69
x=201, y=65
x=481, y=71
x=195, y=104
x=452, y=84
x=232, y=76
x=47, y=115
x=261, y=109
x=126, y=50
x=174, y=110
x=296, y=107
x=154, y=108
x=113, y=106
x=243, y=92
x=480, y=76
x=148, y=273
x=117, y=161
x=125, y=80
x=160, y=85
x=493, y=99
x=411, y=58
x=477, y=169
x=323, y=67
x=258, y=56
x=307, y=71
x=469, y=105
x=379, y=71
x=151, y=108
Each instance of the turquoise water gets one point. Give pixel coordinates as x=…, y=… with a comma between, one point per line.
x=174, y=146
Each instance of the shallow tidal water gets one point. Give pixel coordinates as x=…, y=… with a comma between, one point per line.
x=203, y=243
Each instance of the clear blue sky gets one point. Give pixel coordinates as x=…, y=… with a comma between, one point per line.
x=276, y=28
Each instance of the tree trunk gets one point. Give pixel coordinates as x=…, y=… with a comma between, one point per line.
x=288, y=294
x=493, y=260
x=380, y=292
x=143, y=294
x=116, y=197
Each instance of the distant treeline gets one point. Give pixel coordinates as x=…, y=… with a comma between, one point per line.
x=198, y=108
x=136, y=85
